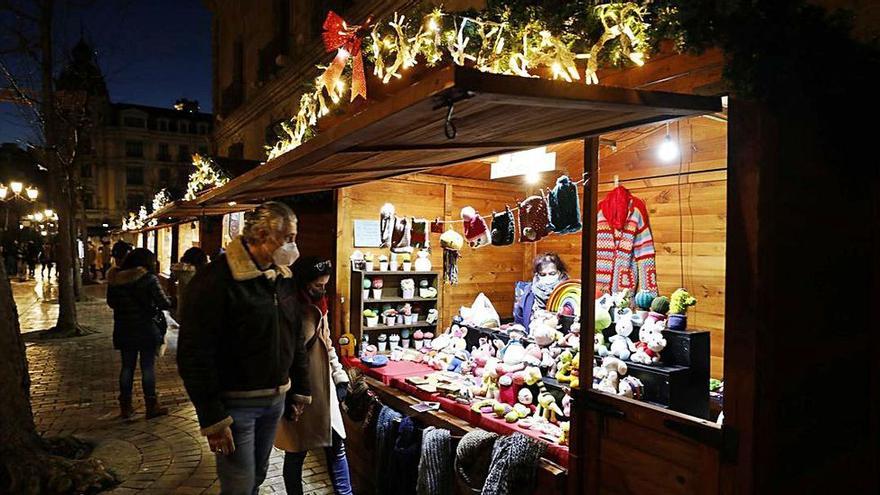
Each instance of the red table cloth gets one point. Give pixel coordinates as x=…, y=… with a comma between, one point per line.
x=394, y=369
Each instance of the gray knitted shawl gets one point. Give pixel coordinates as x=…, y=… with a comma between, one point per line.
x=435, y=465
x=514, y=462
x=473, y=456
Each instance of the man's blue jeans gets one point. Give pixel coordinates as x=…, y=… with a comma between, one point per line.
x=253, y=429
x=337, y=464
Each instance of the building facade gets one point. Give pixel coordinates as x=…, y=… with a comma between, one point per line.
x=263, y=53
x=129, y=152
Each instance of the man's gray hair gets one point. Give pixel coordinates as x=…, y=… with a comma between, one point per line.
x=269, y=216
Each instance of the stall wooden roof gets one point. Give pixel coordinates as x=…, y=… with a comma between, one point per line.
x=493, y=114
x=191, y=209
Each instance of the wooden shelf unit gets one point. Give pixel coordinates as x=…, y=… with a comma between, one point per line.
x=391, y=294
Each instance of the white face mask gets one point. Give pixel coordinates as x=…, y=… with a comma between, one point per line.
x=286, y=254
x=548, y=279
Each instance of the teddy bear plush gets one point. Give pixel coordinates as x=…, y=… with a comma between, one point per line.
x=609, y=374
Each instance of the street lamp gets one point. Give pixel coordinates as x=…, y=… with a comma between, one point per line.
x=16, y=187
x=32, y=193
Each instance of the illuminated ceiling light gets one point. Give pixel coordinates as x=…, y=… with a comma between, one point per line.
x=16, y=187
x=232, y=203
x=44, y=233
x=32, y=193
x=668, y=149
x=528, y=163
x=38, y=216
x=533, y=177
x=105, y=225
x=3, y=191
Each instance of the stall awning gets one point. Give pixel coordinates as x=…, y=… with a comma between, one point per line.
x=192, y=209
x=492, y=114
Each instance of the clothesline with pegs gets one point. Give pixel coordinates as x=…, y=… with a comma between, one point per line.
x=583, y=181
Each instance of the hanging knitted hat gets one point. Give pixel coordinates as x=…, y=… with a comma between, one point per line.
x=475, y=229
x=405, y=457
x=534, y=219
x=503, y=228
x=451, y=242
x=386, y=224
x=565, y=207
x=420, y=237
x=435, y=465
x=473, y=456
x=401, y=236
x=514, y=462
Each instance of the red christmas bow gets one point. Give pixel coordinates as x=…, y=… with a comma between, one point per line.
x=346, y=39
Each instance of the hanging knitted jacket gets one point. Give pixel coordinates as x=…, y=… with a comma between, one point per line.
x=565, y=207
x=624, y=245
x=503, y=228
x=534, y=219
x=386, y=224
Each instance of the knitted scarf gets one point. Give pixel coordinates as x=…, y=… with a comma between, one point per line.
x=435, y=465
x=514, y=462
x=473, y=456
x=405, y=458
x=386, y=432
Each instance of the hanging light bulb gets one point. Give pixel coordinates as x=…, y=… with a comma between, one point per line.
x=533, y=177
x=668, y=149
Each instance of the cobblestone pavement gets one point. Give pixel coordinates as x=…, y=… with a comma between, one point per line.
x=74, y=389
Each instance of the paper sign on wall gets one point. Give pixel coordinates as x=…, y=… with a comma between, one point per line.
x=367, y=233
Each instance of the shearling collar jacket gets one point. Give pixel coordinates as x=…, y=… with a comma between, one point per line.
x=240, y=336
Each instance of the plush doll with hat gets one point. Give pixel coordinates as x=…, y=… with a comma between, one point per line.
x=475, y=229
x=451, y=242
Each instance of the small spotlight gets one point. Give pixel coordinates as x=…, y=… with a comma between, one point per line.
x=668, y=149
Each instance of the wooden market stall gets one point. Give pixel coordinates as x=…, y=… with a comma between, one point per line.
x=383, y=152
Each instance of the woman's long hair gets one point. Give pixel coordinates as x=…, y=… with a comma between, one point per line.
x=140, y=258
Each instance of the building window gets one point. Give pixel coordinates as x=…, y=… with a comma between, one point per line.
x=85, y=170
x=183, y=153
x=134, y=149
x=183, y=127
x=134, y=176
x=162, y=125
x=165, y=175
x=88, y=200
x=138, y=122
x=202, y=128
x=164, y=153
x=134, y=201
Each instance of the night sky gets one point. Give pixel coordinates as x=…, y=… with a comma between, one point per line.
x=151, y=52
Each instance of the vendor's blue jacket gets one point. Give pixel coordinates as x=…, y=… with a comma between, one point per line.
x=522, y=309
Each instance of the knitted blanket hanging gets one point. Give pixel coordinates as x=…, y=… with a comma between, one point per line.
x=436, y=474
x=565, y=207
x=503, y=228
x=534, y=219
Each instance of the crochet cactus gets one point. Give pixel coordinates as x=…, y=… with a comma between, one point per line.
x=660, y=305
x=367, y=283
x=644, y=299
x=681, y=301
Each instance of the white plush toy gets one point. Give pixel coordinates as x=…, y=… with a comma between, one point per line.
x=621, y=346
x=609, y=374
x=543, y=328
x=650, y=343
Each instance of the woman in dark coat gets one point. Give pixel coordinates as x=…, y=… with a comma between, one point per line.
x=138, y=300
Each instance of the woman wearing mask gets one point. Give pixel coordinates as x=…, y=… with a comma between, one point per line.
x=549, y=271
x=138, y=300
x=320, y=424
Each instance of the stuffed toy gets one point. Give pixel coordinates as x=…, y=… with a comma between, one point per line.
x=386, y=224
x=547, y=408
x=408, y=288
x=419, y=236
x=563, y=373
x=565, y=207
x=484, y=406
x=475, y=229
x=543, y=328
x=575, y=371
x=599, y=346
x=609, y=374
x=404, y=338
x=534, y=219
x=459, y=362
x=508, y=389
x=566, y=403
x=432, y=316
x=631, y=387
x=651, y=342
x=503, y=228
x=457, y=338
x=451, y=242
x=489, y=383
x=525, y=398
x=573, y=337
x=423, y=261
x=565, y=426
x=347, y=345
x=603, y=316
x=513, y=354
x=418, y=339
x=382, y=342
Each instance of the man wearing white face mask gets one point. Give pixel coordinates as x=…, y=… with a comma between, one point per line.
x=241, y=348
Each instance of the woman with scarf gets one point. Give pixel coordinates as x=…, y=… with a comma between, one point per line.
x=320, y=424
x=549, y=271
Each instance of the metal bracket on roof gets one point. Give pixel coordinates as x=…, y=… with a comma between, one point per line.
x=449, y=126
x=447, y=100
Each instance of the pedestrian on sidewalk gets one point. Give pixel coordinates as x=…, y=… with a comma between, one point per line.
x=33, y=256
x=139, y=327
x=47, y=259
x=320, y=425
x=21, y=258
x=240, y=349
x=119, y=252
x=106, y=258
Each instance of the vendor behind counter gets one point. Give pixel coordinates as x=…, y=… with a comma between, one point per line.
x=549, y=271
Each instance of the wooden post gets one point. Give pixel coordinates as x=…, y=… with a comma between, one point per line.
x=579, y=464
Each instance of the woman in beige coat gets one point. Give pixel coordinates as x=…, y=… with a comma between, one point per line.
x=320, y=424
